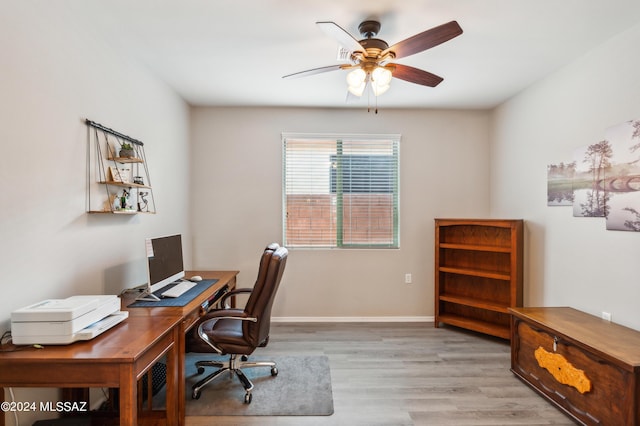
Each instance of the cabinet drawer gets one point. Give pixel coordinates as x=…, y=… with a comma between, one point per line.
x=190, y=319
x=610, y=399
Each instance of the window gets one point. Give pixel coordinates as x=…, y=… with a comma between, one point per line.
x=341, y=191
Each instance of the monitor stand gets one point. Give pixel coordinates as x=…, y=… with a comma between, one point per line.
x=148, y=296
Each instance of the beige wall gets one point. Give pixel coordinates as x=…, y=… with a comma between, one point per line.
x=55, y=74
x=569, y=261
x=236, y=188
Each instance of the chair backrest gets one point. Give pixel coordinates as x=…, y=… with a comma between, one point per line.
x=260, y=301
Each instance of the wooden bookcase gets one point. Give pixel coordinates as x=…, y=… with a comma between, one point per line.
x=478, y=273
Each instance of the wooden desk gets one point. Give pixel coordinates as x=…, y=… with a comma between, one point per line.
x=117, y=358
x=190, y=314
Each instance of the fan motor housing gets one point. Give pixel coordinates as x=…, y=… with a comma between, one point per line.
x=374, y=43
x=369, y=28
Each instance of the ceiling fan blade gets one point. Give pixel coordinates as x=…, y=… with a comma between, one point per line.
x=314, y=71
x=425, y=40
x=415, y=75
x=339, y=34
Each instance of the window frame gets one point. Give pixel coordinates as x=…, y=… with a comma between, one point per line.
x=340, y=139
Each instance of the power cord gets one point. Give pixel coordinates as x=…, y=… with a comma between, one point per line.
x=13, y=400
x=136, y=289
x=5, y=340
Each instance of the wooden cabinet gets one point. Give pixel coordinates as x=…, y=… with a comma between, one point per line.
x=587, y=367
x=478, y=273
x=117, y=174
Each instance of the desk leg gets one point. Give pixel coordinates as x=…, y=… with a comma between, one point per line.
x=174, y=415
x=181, y=376
x=128, y=396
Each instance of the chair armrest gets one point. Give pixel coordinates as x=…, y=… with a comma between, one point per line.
x=252, y=319
x=227, y=295
x=229, y=314
x=218, y=313
x=233, y=314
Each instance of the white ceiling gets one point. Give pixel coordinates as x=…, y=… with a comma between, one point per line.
x=235, y=52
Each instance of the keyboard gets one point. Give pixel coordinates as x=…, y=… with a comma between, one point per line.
x=179, y=289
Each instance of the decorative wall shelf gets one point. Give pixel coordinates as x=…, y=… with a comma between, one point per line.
x=118, y=180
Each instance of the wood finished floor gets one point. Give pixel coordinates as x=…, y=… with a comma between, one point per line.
x=407, y=374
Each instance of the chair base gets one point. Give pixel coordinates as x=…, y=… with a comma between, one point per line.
x=233, y=366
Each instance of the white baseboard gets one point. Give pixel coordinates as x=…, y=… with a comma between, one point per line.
x=353, y=319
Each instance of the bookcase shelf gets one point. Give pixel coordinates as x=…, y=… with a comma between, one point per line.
x=478, y=325
x=478, y=273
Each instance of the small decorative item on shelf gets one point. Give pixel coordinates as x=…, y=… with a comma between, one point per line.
x=114, y=203
x=138, y=180
x=120, y=174
x=143, y=204
x=126, y=150
x=123, y=199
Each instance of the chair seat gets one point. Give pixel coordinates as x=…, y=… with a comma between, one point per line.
x=227, y=335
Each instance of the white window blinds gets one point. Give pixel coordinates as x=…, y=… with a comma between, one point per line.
x=341, y=191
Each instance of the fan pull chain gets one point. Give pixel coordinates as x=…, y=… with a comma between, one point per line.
x=369, y=104
x=376, y=104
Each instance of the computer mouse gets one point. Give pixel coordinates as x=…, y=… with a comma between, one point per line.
x=196, y=278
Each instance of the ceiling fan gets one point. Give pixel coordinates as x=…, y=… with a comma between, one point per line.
x=371, y=59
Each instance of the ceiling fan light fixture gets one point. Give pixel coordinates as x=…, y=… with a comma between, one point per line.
x=380, y=80
x=357, y=90
x=381, y=76
x=357, y=81
x=379, y=90
x=356, y=77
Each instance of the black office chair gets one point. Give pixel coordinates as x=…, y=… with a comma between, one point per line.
x=238, y=332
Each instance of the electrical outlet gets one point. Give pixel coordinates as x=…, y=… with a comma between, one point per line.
x=606, y=316
x=408, y=278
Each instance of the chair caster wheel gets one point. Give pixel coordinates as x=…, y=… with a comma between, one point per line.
x=274, y=371
x=247, y=398
x=244, y=358
x=200, y=370
x=195, y=395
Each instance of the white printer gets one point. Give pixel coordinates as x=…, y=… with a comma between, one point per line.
x=64, y=321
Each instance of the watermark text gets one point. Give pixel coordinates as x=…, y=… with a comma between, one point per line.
x=48, y=406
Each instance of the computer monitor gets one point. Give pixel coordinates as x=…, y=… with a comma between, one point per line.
x=164, y=263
